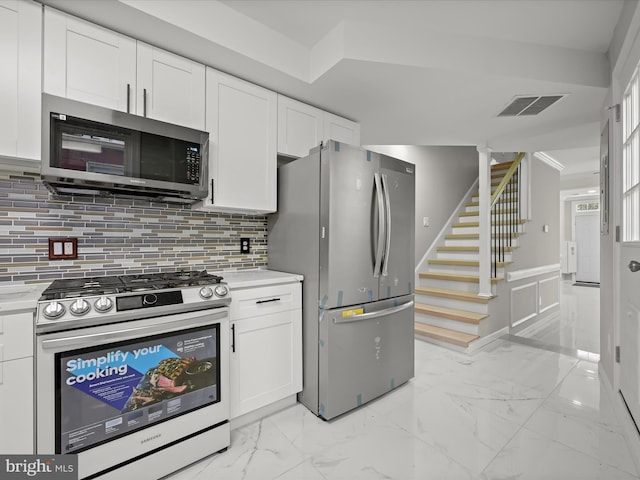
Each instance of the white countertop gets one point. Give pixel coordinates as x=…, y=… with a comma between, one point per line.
x=257, y=278
x=15, y=298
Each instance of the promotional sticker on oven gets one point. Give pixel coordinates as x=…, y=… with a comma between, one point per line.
x=113, y=390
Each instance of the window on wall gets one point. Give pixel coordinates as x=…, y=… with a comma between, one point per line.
x=631, y=161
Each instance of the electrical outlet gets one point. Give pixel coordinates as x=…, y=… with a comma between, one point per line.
x=245, y=245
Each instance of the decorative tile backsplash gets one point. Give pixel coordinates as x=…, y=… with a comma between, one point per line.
x=116, y=235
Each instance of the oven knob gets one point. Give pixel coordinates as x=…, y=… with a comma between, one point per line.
x=53, y=310
x=221, y=291
x=149, y=299
x=79, y=307
x=206, y=293
x=103, y=304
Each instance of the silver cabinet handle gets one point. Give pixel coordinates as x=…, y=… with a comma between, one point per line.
x=634, y=266
x=376, y=314
x=144, y=102
x=128, y=98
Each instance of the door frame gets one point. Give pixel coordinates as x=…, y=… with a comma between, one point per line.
x=622, y=68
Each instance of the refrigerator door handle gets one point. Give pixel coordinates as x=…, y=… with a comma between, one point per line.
x=387, y=205
x=376, y=314
x=381, y=225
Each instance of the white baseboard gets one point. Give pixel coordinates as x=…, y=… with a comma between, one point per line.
x=624, y=418
x=260, y=413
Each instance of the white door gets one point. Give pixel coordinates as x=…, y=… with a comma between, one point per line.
x=242, y=121
x=588, y=242
x=170, y=88
x=340, y=129
x=85, y=62
x=20, y=57
x=629, y=266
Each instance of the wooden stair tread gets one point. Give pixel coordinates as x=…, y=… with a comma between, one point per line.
x=499, y=212
x=450, y=313
x=477, y=224
x=444, y=334
x=466, y=248
x=456, y=277
x=474, y=236
x=453, y=294
x=462, y=263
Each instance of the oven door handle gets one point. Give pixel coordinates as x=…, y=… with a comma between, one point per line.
x=136, y=332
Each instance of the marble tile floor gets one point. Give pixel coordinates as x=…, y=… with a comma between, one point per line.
x=575, y=328
x=509, y=411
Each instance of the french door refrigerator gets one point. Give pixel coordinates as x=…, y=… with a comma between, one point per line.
x=345, y=221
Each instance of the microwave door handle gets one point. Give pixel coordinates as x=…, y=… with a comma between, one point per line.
x=380, y=202
x=387, y=204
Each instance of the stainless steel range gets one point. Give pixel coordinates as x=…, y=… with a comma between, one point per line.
x=132, y=372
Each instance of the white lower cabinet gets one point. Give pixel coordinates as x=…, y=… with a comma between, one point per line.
x=16, y=406
x=16, y=383
x=266, y=347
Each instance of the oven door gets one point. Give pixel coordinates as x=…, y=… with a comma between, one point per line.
x=114, y=393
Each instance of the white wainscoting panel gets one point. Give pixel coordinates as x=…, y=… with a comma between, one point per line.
x=549, y=293
x=524, y=303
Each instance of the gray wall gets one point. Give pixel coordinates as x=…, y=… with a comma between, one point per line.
x=537, y=248
x=443, y=176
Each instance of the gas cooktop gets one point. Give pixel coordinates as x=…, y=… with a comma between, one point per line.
x=91, y=286
x=80, y=302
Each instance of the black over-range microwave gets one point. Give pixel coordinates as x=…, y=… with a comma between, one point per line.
x=93, y=150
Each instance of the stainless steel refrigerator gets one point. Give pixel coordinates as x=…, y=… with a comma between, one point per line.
x=345, y=221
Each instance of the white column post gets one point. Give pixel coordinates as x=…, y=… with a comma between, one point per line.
x=484, y=188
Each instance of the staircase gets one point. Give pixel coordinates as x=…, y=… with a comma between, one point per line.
x=448, y=310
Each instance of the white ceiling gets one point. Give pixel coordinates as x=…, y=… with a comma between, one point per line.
x=430, y=72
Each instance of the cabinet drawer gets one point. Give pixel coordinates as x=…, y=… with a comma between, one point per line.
x=16, y=336
x=16, y=406
x=252, y=302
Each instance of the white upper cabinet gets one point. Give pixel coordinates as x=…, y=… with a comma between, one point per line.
x=170, y=88
x=85, y=62
x=242, y=124
x=92, y=64
x=299, y=127
x=340, y=129
x=20, y=57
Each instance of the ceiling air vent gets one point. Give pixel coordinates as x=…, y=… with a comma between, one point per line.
x=529, y=105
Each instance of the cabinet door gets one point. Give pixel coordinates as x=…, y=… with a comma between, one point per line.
x=170, y=88
x=16, y=336
x=242, y=124
x=340, y=129
x=88, y=63
x=299, y=127
x=16, y=406
x=20, y=57
x=266, y=360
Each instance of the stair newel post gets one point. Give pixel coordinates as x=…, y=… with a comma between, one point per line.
x=484, y=187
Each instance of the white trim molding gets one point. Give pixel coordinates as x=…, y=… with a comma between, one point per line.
x=549, y=160
x=532, y=272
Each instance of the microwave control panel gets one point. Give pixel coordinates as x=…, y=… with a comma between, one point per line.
x=193, y=164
